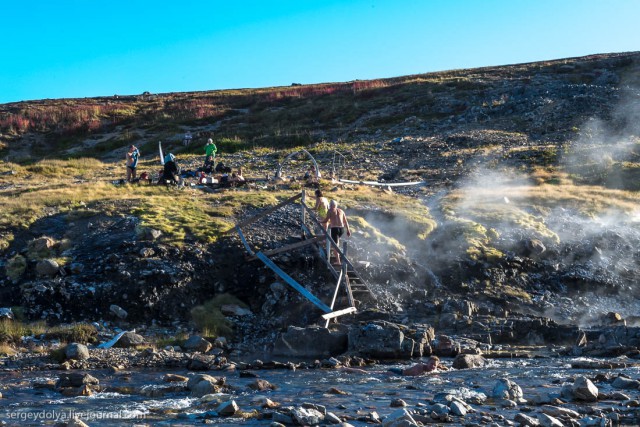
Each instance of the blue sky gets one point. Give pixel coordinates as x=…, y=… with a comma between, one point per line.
x=74, y=49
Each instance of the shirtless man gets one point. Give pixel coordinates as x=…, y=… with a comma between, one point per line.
x=432, y=364
x=337, y=221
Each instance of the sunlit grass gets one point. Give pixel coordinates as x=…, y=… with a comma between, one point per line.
x=209, y=319
x=373, y=233
x=415, y=213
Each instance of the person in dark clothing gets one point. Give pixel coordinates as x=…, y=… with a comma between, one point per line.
x=171, y=172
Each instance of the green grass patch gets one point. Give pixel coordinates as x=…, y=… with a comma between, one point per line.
x=209, y=318
x=78, y=332
x=177, y=216
x=12, y=331
x=371, y=232
x=16, y=267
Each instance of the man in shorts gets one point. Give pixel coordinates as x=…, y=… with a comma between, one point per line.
x=337, y=221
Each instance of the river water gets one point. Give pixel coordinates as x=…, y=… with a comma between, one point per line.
x=24, y=405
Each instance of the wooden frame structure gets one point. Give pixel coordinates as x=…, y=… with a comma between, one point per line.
x=343, y=273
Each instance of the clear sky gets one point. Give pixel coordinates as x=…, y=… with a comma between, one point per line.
x=68, y=49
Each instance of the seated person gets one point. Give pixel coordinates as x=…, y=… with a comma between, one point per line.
x=208, y=164
x=237, y=178
x=171, y=172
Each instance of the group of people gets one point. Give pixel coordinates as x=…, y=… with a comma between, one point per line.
x=171, y=172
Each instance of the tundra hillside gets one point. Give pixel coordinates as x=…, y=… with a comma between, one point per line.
x=530, y=201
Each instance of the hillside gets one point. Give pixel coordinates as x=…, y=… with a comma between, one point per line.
x=530, y=202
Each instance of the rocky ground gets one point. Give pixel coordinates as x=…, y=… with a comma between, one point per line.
x=524, y=170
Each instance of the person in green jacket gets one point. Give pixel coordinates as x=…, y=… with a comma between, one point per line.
x=210, y=151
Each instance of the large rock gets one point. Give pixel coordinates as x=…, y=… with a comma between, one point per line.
x=507, y=389
x=235, y=310
x=118, y=311
x=399, y=418
x=261, y=385
x=41, y=247
x=526, y=421
x=549, y=421
x=623, y=383
x=445, y=346
x=76, y=351
x=47, y=267
x=76, y=423
x=584, y=389
x=228, y=409
x=312, y=342
x=202, y=384
x=381, y=340
x=467, y=361
x=130, y=339
x=197, y=343
x=307, y=416
x=76, y=379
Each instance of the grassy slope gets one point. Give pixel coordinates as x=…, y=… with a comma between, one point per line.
x=269, y=119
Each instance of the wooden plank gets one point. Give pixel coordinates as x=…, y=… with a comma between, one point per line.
x=265, y=213
x=383, y=184
x=343, y=270
x=290, y=247
x=342, y=312
x=335, y=295
x=244, y=241
x=291, y=282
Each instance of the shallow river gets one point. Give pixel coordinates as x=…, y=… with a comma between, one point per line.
x=24, y=405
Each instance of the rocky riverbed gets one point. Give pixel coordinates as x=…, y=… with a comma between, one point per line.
x=514, y=391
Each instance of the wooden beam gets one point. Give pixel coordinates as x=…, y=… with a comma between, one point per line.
x=290, y=247
x=291, y=282
x=383, y=184
x=342, y=312
x=335, y=295
x=265, y=213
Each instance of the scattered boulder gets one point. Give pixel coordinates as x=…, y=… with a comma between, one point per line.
x=458, y=408
x=399, y=418
x=170, y=378
x=526, y=420
x=200, y=363
x=549, y=421
x=130, y=339
x=261, y=385
x=507, y=389
x=118, y=311
x=76, y=351
x=623, y=383
x=398, y=403
x=227, y=409
x=47, y=267
x=235, y=310
x=445, y=346
x=307, y=416
x=467, y=361
x=197, y=343
x=76, y=379
x=312, y=342
x=382, y=340
x=203, y=384
x=76, y=423
x=584, y=389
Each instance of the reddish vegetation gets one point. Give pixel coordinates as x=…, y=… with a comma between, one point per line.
x=80, y=116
